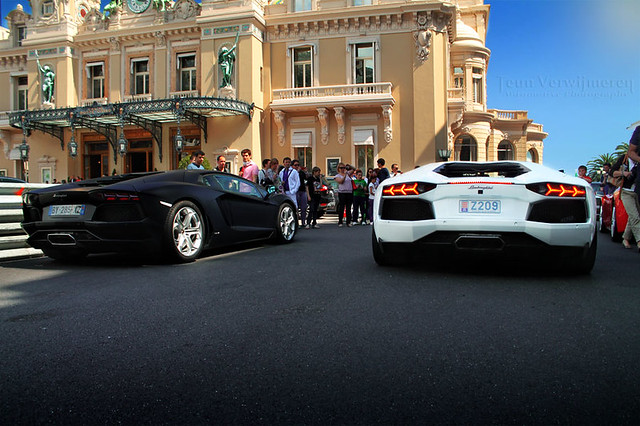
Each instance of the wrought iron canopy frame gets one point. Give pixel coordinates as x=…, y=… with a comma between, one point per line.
x=149, y=115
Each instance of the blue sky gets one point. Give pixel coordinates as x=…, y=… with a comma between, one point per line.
x=573, y=64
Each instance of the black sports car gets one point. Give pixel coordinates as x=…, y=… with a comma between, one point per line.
x=177, y=214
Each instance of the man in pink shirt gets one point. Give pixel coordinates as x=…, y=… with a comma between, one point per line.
x=249, y=169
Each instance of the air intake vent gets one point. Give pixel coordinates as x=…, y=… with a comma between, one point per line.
x=559, y=211
x=406, y=209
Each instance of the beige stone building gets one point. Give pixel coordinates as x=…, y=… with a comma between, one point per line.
x=319, y=80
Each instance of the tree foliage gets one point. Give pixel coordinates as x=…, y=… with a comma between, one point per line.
x=595, y=165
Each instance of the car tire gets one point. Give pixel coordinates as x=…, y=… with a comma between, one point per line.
x=616, y=236
x=382, y=258
x=66, y=256
x=588, y=259
x=184, y=232
x=286, y=224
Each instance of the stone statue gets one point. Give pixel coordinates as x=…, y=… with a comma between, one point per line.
x=48, y=81
x=226, y=59
x=112, y=8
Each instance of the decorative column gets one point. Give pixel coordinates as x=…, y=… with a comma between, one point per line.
x=339, y=113
x=324, y=131
x=388, y=130
x=279, y=117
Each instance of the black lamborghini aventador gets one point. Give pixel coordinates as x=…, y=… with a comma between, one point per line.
x=177, y=214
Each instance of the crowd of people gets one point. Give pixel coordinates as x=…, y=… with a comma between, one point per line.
x=624, y=173
x=356, y=191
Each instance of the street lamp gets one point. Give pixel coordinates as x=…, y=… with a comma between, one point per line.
x=179, y=140
x=24, y=150
x=444, y=154
x=122, y=141
x=73, y=147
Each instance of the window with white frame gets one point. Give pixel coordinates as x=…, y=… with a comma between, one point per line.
x=140, y=76
x=477, y=85
x=187, y=72
x=458, y=77
x=363, y=62
x=363, y=141
x=302, y=58
x=301, y=5
x=95, y=80
x=47, y=8
x=21, y=85
x=301, y=142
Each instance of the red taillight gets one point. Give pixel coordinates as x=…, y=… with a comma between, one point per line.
x=560, y=190
x=110, y=196
x=411, y=188
x=549, y=189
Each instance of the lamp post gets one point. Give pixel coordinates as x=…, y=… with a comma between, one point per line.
x=73, y=146
x=24, y=150
x=179, y=140
x=444, y=154
x=122, y=141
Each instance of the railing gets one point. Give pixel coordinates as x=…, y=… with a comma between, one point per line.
x=333, y=91
x=4, y=118
x=185, y=94
x=454, y=93
x=135, y=98
x=94, y=101
x=509, y=115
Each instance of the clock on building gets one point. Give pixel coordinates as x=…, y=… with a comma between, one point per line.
x=138, y=6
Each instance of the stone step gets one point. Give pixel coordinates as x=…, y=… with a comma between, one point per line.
x=19, y=253
x=11, y=228
x=11, y=215
x=13, y=241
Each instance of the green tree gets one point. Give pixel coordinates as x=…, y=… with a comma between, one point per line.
x=595, y=165
x=621, y=149
x=184, y=162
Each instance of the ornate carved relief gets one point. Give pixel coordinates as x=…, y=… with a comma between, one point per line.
x=339, y=113
x=161, y=38
x=279, y=117
x=185, y=9
x=388, y=129
x=93, y=21
x=324, y=131
x=427, y=24
x=115, y=44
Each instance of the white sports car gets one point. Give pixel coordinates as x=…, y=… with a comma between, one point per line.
x=501, y=207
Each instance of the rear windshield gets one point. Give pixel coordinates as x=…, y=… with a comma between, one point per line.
x=508, y=170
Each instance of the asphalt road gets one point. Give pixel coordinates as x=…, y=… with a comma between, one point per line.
x=315, y=333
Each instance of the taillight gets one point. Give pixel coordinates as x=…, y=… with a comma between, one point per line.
x=411, y=188
x=116, y=196
x=558, y=190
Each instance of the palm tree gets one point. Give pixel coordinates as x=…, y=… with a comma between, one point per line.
x=621, y=149
x=595, y=165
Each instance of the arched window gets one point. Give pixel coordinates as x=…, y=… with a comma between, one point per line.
x=505, y=150
x=532, y=156
x=466, y=148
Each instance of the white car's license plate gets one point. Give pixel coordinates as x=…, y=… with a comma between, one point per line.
x=67, y=210
x=480, y=206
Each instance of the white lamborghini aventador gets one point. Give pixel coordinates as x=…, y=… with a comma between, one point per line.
x=502, y=207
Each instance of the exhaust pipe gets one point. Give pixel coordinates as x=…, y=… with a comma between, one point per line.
x=63, y=239
x=479, y=242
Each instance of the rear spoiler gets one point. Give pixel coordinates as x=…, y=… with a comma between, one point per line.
x=504, y=169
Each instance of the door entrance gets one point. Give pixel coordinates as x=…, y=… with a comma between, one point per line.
x=140, y=156
x=96, y=160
